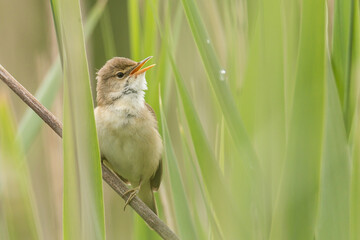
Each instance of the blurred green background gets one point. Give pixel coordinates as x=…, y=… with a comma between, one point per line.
x=257, y=102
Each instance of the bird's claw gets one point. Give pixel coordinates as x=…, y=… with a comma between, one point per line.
x=133, y=193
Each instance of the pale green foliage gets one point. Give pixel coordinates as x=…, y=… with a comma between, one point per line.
x=18, y=217
x=83, y=210
x=259, y=117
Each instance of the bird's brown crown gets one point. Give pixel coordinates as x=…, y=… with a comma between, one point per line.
x=118, y=78
x=114, y=65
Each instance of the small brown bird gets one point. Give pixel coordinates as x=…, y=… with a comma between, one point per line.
x=127, y=127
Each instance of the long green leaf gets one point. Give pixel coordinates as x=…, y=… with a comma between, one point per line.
x=247, y=168
x=355, y=132
x=297, y=206
x=194, y=175
x=335, y=170
x=83, y=197
x=262, y=99
x=182, y=210
x=220, y=86
x=134, y=28
x=18, y=217
x=355, y=186
x=341, y=51
x=352, y=98
x=213, y=178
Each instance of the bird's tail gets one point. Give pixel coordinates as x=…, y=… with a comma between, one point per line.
x=147, y=196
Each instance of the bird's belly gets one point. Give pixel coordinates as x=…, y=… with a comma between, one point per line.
x=133, y=149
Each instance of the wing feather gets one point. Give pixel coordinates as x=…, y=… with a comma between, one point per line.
x=156, y=179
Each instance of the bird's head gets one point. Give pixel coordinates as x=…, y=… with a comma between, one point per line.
x=121, y=78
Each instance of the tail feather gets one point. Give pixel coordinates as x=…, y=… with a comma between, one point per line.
x=147, y=196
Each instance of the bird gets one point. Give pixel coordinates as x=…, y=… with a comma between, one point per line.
x=127, y=128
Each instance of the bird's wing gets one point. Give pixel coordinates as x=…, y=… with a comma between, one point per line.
x=152, y=113
x=111, y=167
x=156, y=179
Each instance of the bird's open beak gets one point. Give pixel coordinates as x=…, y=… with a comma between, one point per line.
x=137, y=70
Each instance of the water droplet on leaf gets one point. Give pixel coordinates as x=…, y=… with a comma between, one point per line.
x=223, y=76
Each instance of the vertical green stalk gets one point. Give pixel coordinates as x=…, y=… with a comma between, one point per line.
x=134, y=28
x=297, y=206
x=182, y=211
x=341, y=49
x=335, y=170
x=83, y=210
x=18, y=219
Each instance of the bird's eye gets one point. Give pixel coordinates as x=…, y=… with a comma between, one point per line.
x=120, y=74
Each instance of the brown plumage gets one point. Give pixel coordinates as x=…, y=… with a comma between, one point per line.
x=127, y=127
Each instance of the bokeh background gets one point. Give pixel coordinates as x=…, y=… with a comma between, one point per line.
x=257, y=102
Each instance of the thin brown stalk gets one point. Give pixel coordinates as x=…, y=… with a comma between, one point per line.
x=109, y=176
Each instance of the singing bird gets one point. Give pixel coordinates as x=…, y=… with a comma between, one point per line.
x=127, y=127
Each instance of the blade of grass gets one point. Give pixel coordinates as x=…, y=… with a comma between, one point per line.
x=107, y=34
x=354, y=70
x=94, y=17
x=142, y=231
x=354, y=136
x=19, y=214
x=214, y=180
x=249, y=164
x=262, y=97
x=72, y=227
x=355, y=187
x=341, y=52
x=83, y=197
x=219, y=85
x=134, y=28
x=148, y=45
x=215, y=229
x=182, y=211
x=170, y=27
x=291, y=24
x=297, y=205
x=334, y=211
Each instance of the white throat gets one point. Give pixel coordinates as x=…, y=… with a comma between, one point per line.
x=132, y=98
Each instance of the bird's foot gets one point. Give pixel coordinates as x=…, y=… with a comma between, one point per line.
x=133, y=193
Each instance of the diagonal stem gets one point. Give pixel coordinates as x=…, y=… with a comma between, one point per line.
x=110, y=177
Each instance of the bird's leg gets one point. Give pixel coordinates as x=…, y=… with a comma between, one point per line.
x=133, y=193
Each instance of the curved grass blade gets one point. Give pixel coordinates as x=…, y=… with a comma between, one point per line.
x=262, y=104
x=297, y=206
x=355, y=186
x=247, y=168
x=351, y=107
x=134, y=28
x=18, y=211
x=220, y=86
x=334, y=214
x=108, y=35
x=215, y=229
x=182, y=210
x=341, y=49
x=83, y=197
x=215, y=184
x=355, y=134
